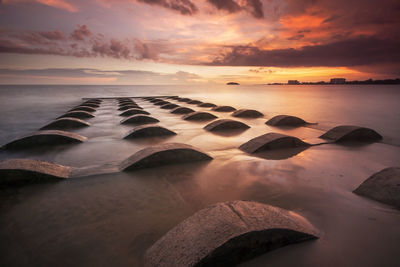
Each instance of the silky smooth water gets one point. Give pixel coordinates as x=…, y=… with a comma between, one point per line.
x=110, y=218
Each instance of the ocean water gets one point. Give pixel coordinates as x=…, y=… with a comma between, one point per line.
x=111, y=218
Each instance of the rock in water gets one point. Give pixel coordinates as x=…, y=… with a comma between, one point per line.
x=139, y=119
x=271, y=141
x=345, y=133
x=225, y=124
x=133, y=111
x=223, y=108
x=182, y=110
x=148, y=131
x=164, y=154
x=383, y=186
x=228, y=233
x=207, y=105
x=286, y=120
x=65, y=123
x=20, y=171
x=247, y=113
x=78, y=114
x=199, y=116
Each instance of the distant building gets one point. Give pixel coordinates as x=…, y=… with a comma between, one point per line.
x=293, y=82
x=338, y=80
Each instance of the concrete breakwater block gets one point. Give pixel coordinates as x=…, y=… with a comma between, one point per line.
x=164, y=154
x=126, y=104
x=225, y=124
x=96, y=102
x=139, y=119
x=345, y=133
x=174, y=97
x=184, y=99
x=206, y=105
x=247, y=113
x=223, y=108
x=199, y=116
x=383, y=186
x=160, y=103
x=44, y=138
x=133, y=111
x=77, y=114
x=65, y=123
x=286, y=120
x=169, y=106
x=148, y=131
x=125, y=107
x=271, y=141
x=92, y=105
x=228, y=233
x=194, y=102
x=83, y=108
x=182, y=110
x=155, y=100
x=20, y=171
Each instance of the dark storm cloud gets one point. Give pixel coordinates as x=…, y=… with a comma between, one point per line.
x=227, y=5
x=185, y=7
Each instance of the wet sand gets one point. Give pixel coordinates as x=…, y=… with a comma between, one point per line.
x=111, y=218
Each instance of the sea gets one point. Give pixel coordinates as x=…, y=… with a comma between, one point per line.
x=105, y=217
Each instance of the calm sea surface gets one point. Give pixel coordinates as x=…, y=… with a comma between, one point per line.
x=110, y=218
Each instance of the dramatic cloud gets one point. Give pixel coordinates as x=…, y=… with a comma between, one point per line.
x=61, y=4
x=227, y=5
x=255, y=7
x=185, y=7
x=80, y=33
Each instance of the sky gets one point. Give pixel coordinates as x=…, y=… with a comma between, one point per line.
x=197, y=41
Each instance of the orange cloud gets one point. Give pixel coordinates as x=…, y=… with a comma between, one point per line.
x=61, y=4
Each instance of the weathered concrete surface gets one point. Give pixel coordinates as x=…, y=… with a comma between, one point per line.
x=164, y=154
x=139, y=119
x=182, y=110
x=175, y=97
x=160, y=103
x=247, y=113
x=345, y=133
x=225, y=124
x=77, y=114
x=21, y=171
x=155, y=100
x=271, y=141
x=125, y=107
x=83, y=108
x=184, y=99
x=66, y=123
x=194, y=102
x=126, y=104
x=228, y=233
x=92, y=105
x=207, y=105
x=92, y=102
x=169, y=106
x=44, y=138
x=285, y=120
x=133, y=111
x=199, y=116
x=383, y=186
x=223, y=108
x=148, y=131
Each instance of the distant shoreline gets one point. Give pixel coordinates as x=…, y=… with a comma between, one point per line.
x=370, y=81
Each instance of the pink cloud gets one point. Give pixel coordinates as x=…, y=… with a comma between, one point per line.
x=60, y=4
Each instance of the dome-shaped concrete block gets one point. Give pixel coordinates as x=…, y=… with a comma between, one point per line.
x=45, y=138
x=175, y=97
x=383, y=186
x=23, y=171
x=84, y=108
x=206, y=105
x=125, y=107
x=169, y=106
x=126, y=103
x=228, y=233
x=247, y=113
x=271, y=141
x=223, y=108
x=171, y=153
x=133, y=111
x=92, y=105
x=148, y=131
x=78, y=114
x=160, y=103
x=139, y=119
x=66, y=123
x=156, y=100
x=286, y=120
x=184, y=99
x=345, y=133
x=225, y=124
x=194, y=102
x=182, y=110
x=96, y=102
x=199, y=116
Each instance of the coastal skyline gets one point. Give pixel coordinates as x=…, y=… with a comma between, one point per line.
x=187, y=42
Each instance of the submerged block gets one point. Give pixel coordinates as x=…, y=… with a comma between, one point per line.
x=184, y=99
x=271, y=141
x=194, y=102
x=139, y=119
x=84, y=108
x=160, y=103
x=169, y=106
x=125, y=107
x=225, y=124
x=133, y=111
x=155, y=100
x=247, y=113
x=44, y=138
x=92, y=105
x=78, y=114
x=345, y=133
x=148, y=131
x=20, y=171
x=66, y=123
x=228, y=233
x=163, y=154
x=223, y=108
x=182, y=110
x=383, y=186
x=207, y=105
x=199, y=116
x=285, y=120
